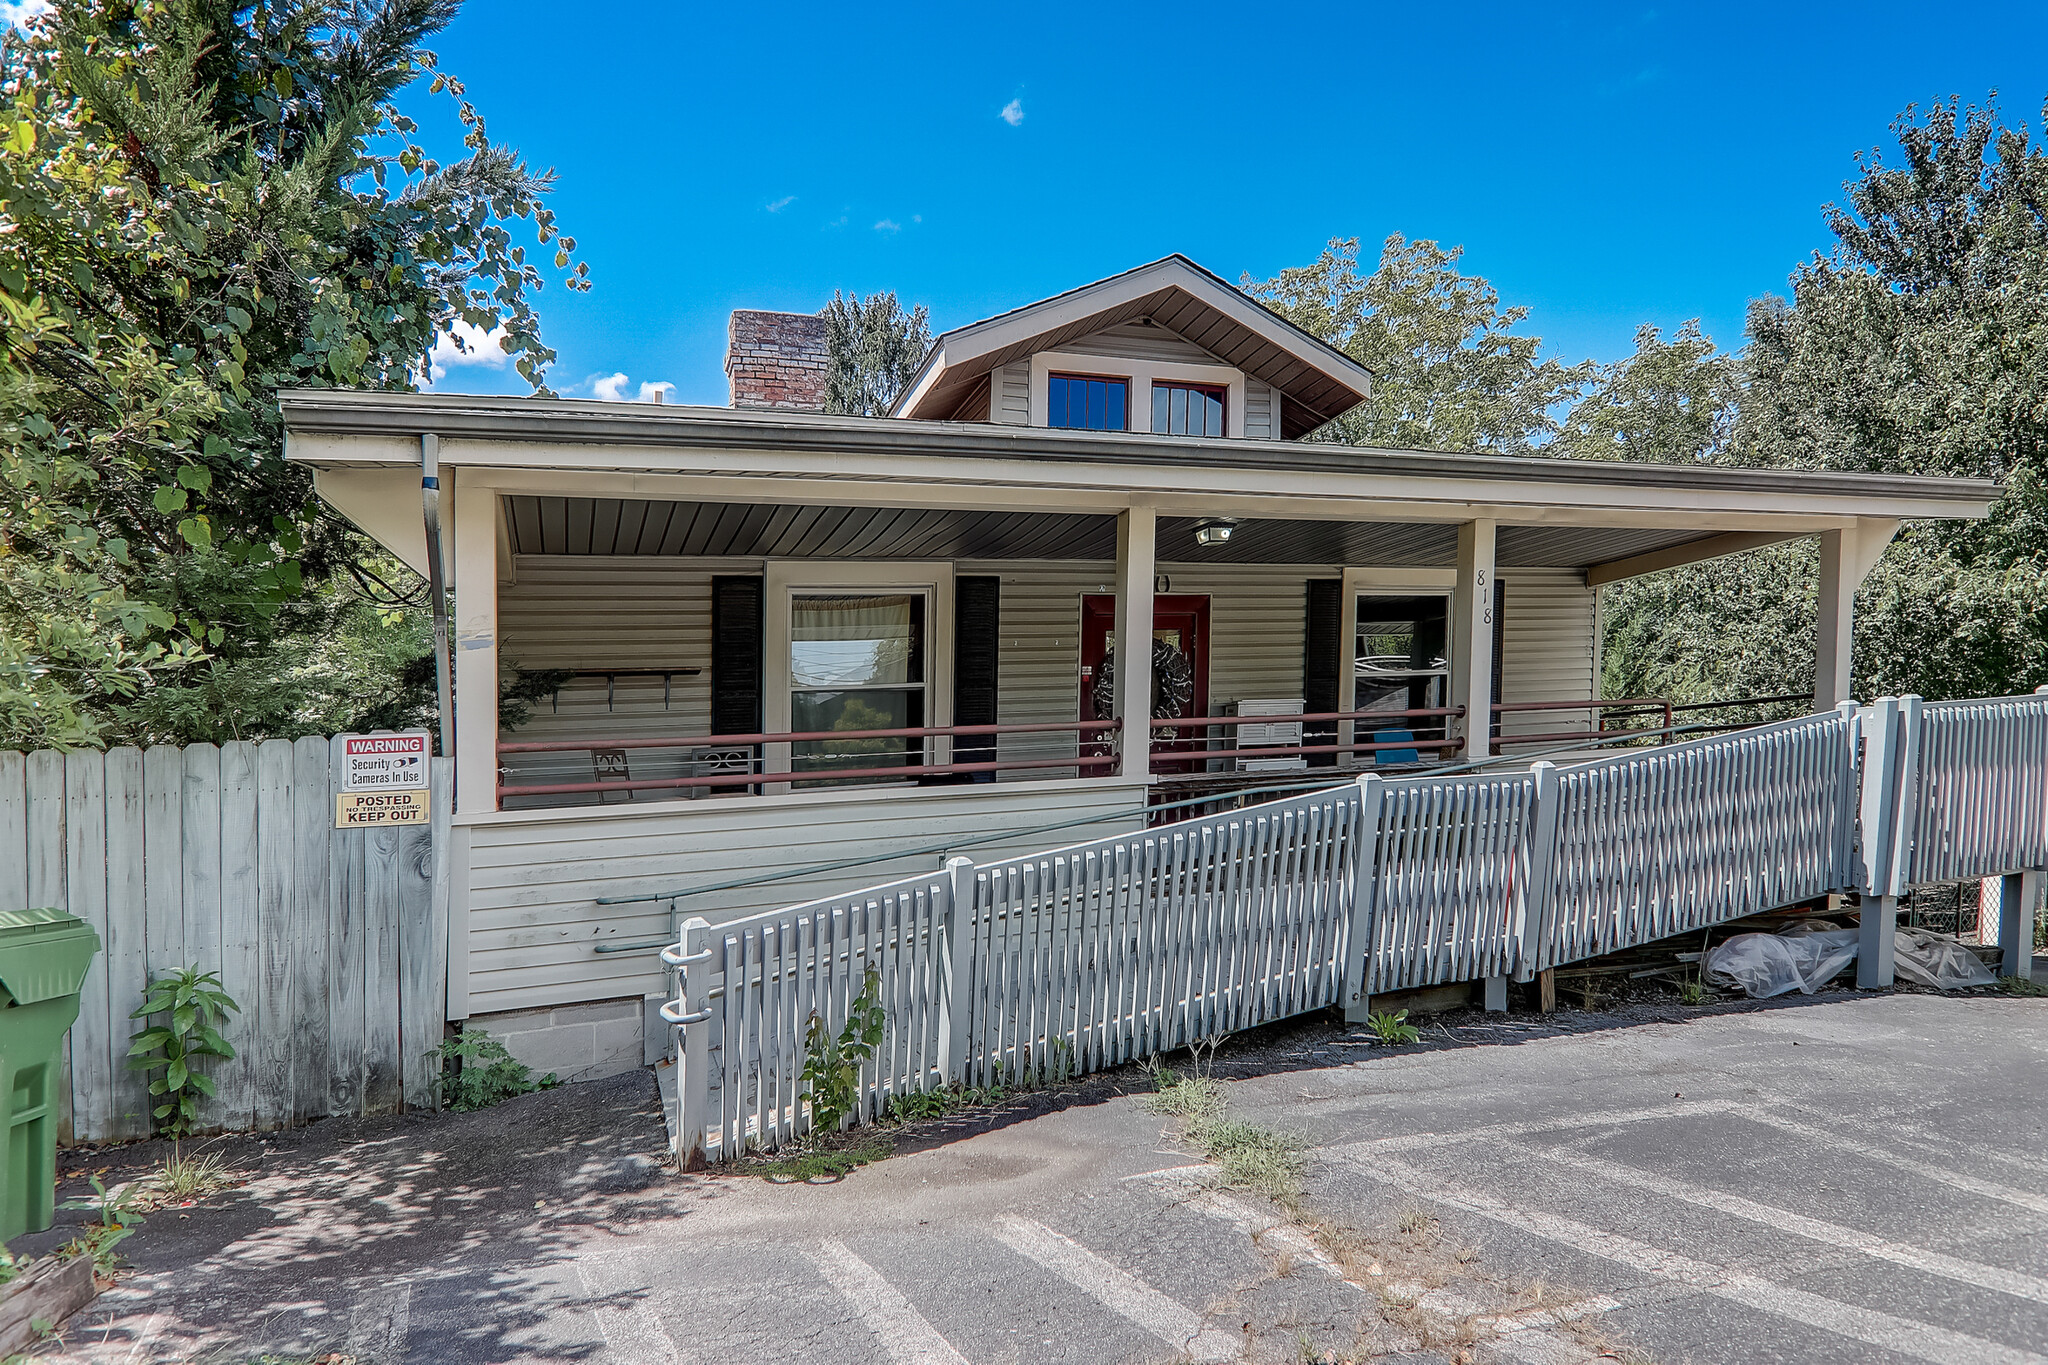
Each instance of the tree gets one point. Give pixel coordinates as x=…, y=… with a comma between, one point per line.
x=1672, y=401
x=873, y=351
x=202, y=204
x=1915, y=346
x=1449, y=369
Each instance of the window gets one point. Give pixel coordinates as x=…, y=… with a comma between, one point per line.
x=856, y=662
x=1187, y=409
x=1398, y=656
x=1088, y=402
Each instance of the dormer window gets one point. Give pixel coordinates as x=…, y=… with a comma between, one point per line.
x=1187, y=409
x=1088, y=402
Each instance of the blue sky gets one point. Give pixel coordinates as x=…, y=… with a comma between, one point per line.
x=1603, y=166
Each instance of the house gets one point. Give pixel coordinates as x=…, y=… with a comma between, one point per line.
x=802, y=651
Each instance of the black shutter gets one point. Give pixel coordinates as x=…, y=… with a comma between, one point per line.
x=736, y=654
x=977, y=644
x=1323, y=658
x=1500, y=600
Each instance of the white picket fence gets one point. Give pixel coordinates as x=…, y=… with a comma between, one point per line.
x=333, y=942
x=1089, y=956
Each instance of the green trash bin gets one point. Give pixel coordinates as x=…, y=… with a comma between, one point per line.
x=43, y=957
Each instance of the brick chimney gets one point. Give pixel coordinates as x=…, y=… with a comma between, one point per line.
x=776, y=360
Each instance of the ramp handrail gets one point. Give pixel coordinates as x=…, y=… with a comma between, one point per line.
x=1118, y=947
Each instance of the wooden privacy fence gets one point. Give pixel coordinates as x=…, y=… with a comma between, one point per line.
x=333, y=942
x=1088, y=956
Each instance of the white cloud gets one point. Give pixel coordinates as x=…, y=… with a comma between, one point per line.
x=612, y=389
x=888, y=225
x=15, y=13
x=1012, y=113
x=480, y=350
x=784, y=202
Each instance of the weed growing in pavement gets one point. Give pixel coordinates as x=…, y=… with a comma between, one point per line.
x=183, y=1179
x=1693, y=991
x=2020, y=985
x=832, y=1063
x=484, y=1073
x=1393, y=1028
x=820, y=1165
x=119, y=1218
x=1250, y=1156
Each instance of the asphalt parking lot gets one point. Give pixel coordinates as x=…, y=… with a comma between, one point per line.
x=1843, y=1179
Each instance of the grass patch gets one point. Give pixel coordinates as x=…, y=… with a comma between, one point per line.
x=1250, y=1156
x=2020, y=985
x=819, y=1165
x=187, y=1179
x=938, y=1104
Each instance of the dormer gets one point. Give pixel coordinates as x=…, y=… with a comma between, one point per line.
x=1168, y=349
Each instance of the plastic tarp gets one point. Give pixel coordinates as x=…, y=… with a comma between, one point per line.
x=1763, y=965
x=1933, y=960
x=1810, y=953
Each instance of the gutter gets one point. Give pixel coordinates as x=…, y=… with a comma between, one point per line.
x=527, y=421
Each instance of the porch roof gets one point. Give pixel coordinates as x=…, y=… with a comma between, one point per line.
x=720, y=530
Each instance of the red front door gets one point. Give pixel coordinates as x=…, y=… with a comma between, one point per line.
x=1181, y=621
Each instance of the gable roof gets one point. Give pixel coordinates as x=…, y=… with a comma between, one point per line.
x=1319, y=381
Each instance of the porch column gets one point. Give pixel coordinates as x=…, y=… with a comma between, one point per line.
x=1472, y=637
x=1136, y=535
x=476, y=648
x=1846, y=558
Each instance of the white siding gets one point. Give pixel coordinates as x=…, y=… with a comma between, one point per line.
x=1258, y=411
x=1010, y=403
x=1548, y=647
x=593, y=612
x=534, y=921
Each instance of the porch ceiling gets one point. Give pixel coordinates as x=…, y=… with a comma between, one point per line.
x=614, y=526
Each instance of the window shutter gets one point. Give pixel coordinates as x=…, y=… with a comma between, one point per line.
x=977, y=642
x=1500, y=600
x=1323, y=660
x=736, y=654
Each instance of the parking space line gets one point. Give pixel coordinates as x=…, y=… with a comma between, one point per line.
x=1921, y=1340
x=1117, y=1289
x=902, y=1330
x=632, y=1333
x=1833, y=1234
x=1409, y=1141
x=1985, y=1189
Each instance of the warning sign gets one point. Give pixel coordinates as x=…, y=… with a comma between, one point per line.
x=372, y=810
x=382, y=763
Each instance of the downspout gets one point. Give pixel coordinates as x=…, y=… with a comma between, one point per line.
x=430, y=506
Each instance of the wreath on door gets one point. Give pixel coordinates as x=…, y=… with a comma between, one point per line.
x=1173, y=687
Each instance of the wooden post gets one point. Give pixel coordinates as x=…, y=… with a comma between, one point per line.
x=1136, y=539
x=1537, y=871
x=693, y=1085
x=1890, y=789
x=1546, y=990
x=1846, y=558
x=1472, y=636
x=1365, y=883
x=476, y=650
x=956, y=1005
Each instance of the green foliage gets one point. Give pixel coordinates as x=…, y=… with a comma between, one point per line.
x=821, y=1165
x=193, y=1006
x=201, y=206
x=1693, y=991
x=873, y=351
x=9, y=1266
x=1450, y=370
x=1672, y=401
x=832, y=1062
x=2020, y=985
x=937, y=1104
x=477, y=1072
x=118, y=1221
x=1393, y=1028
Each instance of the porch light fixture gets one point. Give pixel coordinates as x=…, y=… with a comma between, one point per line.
x=1215, y=531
